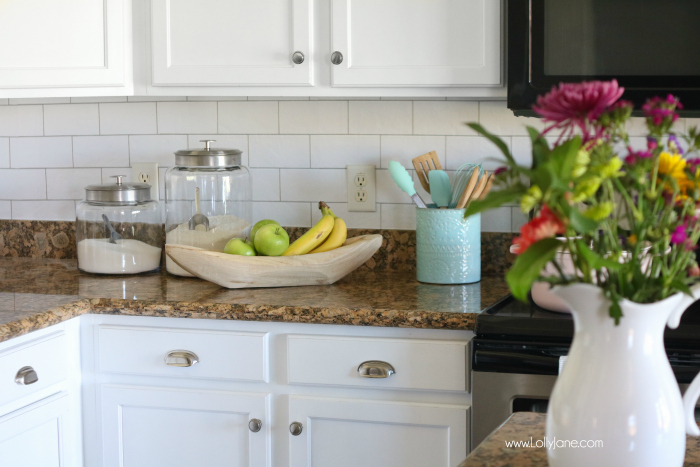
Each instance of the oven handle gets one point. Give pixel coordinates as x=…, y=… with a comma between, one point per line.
x=514, y=362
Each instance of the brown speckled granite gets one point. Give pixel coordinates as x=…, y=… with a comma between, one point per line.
x=34, y=239
x=36, y=293
x=522, y=426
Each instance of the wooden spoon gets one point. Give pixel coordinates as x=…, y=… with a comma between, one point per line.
x=468, y=189
x=489, y=184
x=479, y=187
x=422, y=164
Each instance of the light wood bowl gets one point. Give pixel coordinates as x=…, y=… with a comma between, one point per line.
x=238, y=272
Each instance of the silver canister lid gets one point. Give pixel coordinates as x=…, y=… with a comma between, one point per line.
x=118, y=193
x=208, y=156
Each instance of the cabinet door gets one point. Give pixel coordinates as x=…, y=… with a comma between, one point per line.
x=346, y=433
x=150, y=426
x=230, y=42
x=417, y=42
x=59, y=43
x=34, y=436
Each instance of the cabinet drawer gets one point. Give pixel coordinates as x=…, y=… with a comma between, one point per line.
x=225, y=355
x=46, y=356
x=418, y=364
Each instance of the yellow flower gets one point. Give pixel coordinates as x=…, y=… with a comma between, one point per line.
x=632, y=239
x=672, y=165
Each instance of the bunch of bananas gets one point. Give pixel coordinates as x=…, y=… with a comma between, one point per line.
x=328, y=234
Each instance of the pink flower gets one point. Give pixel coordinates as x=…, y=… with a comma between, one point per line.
x=678, y=236
x=500, y=170
x=661, y=111
x=689, y=245
x=574, y=104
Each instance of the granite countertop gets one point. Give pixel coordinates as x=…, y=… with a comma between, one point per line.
x=37, y=293
x=523, y=426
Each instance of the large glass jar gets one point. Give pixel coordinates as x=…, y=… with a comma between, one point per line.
x=119, y=229
x=211, y=182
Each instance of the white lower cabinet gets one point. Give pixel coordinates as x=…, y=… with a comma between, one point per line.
x=350, y=433
x=35, y=436
x=155, y=426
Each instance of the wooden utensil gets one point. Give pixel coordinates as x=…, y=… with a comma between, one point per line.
x=487, y=188
x=480, y=187
x=468, y=190
x=237, y=272
x=424, y=164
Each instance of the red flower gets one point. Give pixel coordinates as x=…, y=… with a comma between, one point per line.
x=574, y=104
x=545, y=225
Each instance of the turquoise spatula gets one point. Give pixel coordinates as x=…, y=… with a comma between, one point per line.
x=405, y=182
x=440, y=188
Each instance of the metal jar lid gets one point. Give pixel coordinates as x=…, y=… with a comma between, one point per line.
x=208, y=157
x=118, y=193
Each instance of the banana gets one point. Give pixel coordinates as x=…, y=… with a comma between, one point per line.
x=337, y=236
x=312, y=238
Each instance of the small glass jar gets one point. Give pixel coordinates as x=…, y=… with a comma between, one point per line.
x=119, y=229
x=214, y=183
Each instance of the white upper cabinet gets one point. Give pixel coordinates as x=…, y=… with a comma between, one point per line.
x=68, y=45
x=416, y=43
x=232, y=42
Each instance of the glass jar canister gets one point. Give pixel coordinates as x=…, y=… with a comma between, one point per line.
x=213, y=183
x=119, y=229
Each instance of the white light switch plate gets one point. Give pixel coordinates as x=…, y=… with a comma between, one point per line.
x=146, y=172
x=362, y=187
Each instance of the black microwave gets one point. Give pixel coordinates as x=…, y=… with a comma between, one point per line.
x=652, y=48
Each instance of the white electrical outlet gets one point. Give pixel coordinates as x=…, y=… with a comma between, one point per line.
x=362, y=187
x=146, y=172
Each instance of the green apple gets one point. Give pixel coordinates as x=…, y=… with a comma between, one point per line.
x=238, y=246
x=271, y=240
x=258, y=225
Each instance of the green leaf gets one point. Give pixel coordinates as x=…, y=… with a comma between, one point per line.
x=682, y=286
x=581, y=223
x=563, y=158
x=594, y=260
x=540, y=148
x=495, y=199
x=615, y=311
x=495, y=140
x=529, y=265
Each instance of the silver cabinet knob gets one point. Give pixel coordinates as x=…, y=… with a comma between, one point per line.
x=375, y=369
x=298, y=57
x=254, y=425
x=26, y=376
x=296, y=428
x=336, y=58
x=181, y=358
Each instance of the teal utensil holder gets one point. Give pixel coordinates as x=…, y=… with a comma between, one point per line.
x=448, y=246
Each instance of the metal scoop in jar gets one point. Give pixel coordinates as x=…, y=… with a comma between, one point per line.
x=113, y=234
x=198, y=218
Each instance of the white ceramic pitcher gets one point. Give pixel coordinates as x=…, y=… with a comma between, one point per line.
x=617, y=386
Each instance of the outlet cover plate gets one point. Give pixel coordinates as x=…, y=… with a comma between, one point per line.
x=146, y=172
x=361, y=179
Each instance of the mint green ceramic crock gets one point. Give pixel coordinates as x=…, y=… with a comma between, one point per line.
x=448, y=246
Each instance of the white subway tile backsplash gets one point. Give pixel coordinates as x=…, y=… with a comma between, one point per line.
x=521, y=149
x=331, y=151
x=70, y=183
x=101, y=151
x=25, y=120
x=381, y=117
x=43, y=210
x=109, y=172
x=518, y=219
x=5, y=210
x=282, y=151
x=398, y=216
x=156, y=148
x=128, y=119
x=4, y=101
x=473, y=149
x=444, y=117
x=358, y=220
x=404, y=148
x=313, y=117
x=4, y=153
x=71, y=119
x=54, y=151
x=239, y=142
x=313, y=185
x=187, y=117
x=266, y=184
x=496, y=118
x=496, y=220
x=287, y=214
x=249, y=118
x=22, y=184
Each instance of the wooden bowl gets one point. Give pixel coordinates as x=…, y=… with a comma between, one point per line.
x=238, y=272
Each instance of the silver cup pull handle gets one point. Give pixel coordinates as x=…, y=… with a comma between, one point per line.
x=336, y=58
x=296, y=428
x=26, y=376
x=182, y=358
x=254, y=425
x=375, y=369
x=298, y=58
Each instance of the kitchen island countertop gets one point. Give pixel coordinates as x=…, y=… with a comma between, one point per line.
x=37, y=293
